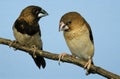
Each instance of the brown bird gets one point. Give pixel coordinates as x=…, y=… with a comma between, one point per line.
x=78, y=36
x=27, y=31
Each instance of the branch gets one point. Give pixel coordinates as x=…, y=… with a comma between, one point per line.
x=69, y=59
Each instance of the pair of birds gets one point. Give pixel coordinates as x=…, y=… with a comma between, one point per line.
x=77, y=33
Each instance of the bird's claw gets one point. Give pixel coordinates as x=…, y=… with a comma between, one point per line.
x=61, y=56
x=14, y=41
x=34, y=50
x=87, y=66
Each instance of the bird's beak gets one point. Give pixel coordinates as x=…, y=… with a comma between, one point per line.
x=63, y=26
x=42, y=13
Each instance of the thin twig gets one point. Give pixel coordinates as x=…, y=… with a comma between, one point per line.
x=69, y=59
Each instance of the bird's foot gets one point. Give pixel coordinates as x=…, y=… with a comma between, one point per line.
x=14, y=41
x=87, y=66
x=61, y=56
x=34, y=50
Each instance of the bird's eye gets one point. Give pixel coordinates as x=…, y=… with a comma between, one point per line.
x=69, y=22
x=36, y=11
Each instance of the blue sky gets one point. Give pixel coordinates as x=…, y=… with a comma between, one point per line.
x=103, y=17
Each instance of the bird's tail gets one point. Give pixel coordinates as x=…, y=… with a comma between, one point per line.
x=39, y=61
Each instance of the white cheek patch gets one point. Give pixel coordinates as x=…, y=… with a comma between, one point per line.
x=40, y=15
x=66, y=27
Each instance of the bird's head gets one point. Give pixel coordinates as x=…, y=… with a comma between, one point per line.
x=33, y=13
x=70, y=21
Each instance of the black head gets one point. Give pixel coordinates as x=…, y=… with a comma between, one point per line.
x=34, y=12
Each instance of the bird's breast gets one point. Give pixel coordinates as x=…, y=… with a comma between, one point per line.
x=28, y=40
x=79, y=44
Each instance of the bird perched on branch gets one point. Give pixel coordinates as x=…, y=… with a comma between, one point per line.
x=27, y=31
x=78, y=36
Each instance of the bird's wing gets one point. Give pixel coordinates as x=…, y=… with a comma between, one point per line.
x=23, y=27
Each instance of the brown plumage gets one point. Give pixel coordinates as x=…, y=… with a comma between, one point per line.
x=78, y=36
x=27, y=32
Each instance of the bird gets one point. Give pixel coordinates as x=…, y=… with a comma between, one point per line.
x=27, y=32
x=78, y=36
